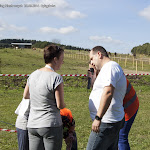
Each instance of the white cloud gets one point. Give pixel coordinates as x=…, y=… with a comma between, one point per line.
x=64, y=30
x=104, y=39
x=75, y=14
x=10, y=27
x=145, y=13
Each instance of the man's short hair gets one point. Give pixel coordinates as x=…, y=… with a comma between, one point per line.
x=101, y=49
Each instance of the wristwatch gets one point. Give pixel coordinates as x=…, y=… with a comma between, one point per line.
x=98, y=118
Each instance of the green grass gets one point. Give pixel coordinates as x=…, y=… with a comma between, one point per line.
x=75, y=93
x=27, y=60
x=20, y=61
x=77, y=100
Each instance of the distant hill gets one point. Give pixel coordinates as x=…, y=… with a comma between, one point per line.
x=6, y=43
x=141, y=49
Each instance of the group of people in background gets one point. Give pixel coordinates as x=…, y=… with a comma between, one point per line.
x=113, y=105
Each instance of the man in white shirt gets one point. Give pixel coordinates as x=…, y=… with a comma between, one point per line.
x=106, y=101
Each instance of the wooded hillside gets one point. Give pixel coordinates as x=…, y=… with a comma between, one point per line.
x=6, y=43
x=141, y=49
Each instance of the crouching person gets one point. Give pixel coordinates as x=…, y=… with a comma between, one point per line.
x=69, y=134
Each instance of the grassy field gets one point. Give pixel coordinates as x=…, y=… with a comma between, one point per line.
x=76, y=97
x=26, y=61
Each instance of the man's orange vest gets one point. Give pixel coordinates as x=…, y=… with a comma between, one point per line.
x=130, y=102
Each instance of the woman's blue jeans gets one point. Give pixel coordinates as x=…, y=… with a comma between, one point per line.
x=23, y=140
x=123, y=143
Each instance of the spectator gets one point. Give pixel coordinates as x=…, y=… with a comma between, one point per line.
x=131, y=105
x=21, y=124
x=69, y=133
x=106, y=101
x=44, y=88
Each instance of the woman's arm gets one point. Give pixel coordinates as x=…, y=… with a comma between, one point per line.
x=26, y=93
x=59, y=94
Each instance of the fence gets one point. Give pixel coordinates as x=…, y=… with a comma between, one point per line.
x=125, y=61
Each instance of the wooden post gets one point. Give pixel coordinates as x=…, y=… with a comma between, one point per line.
x=136, y=66
x=0, y=64
x=142, y=65
x=133, y=61
x=118, y=61
x=79, y=55
x=114, y=57
x=126, y=61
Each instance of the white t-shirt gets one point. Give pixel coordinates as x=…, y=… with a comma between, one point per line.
x=21, y=122
x=111, y=73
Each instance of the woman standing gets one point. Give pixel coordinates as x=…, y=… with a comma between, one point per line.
x=45, y=90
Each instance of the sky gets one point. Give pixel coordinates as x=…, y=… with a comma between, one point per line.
x=117, y=25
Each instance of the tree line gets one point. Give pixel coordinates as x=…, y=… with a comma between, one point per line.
x=141, y=49
x=6, y=43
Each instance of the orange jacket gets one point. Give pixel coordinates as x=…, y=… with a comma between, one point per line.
x=130, y=102
x=66, y=112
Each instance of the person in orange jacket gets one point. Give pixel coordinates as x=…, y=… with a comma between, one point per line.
x=131, y=105
x=69, y=134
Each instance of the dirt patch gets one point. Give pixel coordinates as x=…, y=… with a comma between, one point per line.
x=126, y=71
